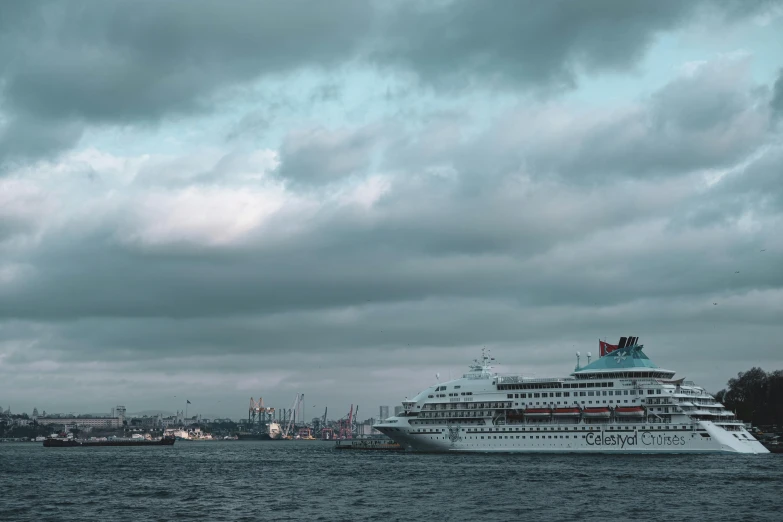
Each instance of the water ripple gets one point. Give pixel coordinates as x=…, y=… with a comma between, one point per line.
x=256, y=480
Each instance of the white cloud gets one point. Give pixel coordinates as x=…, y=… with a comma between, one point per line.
x=202, y=215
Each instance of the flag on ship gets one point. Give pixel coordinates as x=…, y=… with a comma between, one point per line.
x=605, y=348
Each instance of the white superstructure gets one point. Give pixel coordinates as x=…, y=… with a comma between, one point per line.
x=272, y=430
x=620, y=402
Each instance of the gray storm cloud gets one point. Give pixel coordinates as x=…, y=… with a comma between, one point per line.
x=357, y=258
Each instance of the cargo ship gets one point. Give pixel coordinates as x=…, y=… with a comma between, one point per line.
x=58, y=442
x=271, y=431
x=368, y=444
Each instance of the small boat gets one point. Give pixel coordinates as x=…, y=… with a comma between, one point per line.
x=596, y=413
x=773, y=447
x=629, y=411
x=305, y=434
x=57, y=442
x=567, y=412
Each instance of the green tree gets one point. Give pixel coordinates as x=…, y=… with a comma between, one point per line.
x=755, y=396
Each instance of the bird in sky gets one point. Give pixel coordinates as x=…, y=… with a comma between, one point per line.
x=716, y=304
x=737, y=272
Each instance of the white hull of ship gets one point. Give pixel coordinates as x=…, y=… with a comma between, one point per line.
x=706, y=437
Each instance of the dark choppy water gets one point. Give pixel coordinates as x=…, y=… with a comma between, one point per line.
x=254, y=480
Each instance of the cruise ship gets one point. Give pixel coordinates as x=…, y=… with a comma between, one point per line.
x=621, y=402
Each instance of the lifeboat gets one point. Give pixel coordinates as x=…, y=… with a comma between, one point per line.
x=538, y=412
x=629, y=411
x=567, y=412
x=596, y=413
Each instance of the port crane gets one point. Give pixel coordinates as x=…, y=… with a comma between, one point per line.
x=258, y=410
x=287, y=431
x=252, y=411
x=327, y=433
x=346, y=425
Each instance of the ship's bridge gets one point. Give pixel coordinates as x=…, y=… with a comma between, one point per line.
x=629, y=360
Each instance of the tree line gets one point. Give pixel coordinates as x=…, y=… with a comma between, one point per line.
x=755, y=396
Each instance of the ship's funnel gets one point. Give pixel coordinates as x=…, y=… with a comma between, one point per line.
x=623, y=341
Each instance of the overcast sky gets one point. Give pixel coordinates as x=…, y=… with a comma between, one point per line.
x=218, y=200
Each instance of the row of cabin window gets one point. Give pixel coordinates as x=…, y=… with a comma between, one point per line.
x=523, y=436
x=480, y=412
x=443, y=388
x=559, y=428
x=466, y=405
x=557, y=436
x=568, y=394
x=567, y=403
x=549, y=385
x=583, y=428
x=450, y=394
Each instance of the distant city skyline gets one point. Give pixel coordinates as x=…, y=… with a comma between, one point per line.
x=113, y=412
x=214, y=201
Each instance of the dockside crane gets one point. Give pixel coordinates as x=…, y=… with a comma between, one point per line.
x=326, y=433
x=265, y=414
x=258, y=412
x=251, y=412
x=289, y=427
x=346, y=431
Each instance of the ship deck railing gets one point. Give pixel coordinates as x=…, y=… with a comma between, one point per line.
x=519, y=379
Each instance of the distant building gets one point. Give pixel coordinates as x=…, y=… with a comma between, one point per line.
x=179, y=420
x=384, y=413
x=365, y=428
x=398, y=411
x=169, y=421
x=145, y=422
x=85, y=421
x=35, y=413
x=92, y=422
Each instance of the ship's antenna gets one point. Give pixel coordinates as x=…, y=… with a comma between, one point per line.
x=589, y=355
x=577, y=360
